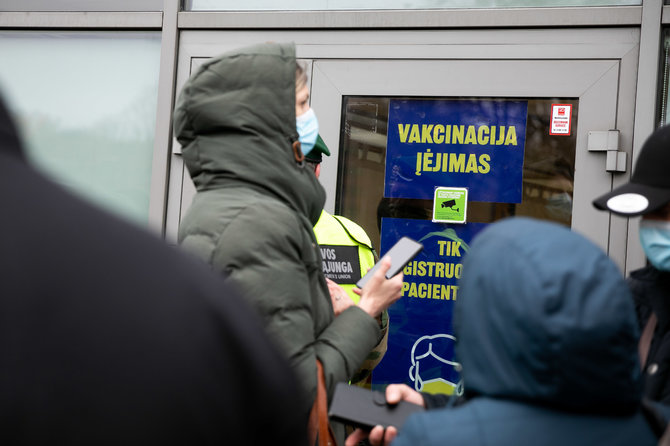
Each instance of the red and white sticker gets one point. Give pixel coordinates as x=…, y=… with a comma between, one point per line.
x=561, y=119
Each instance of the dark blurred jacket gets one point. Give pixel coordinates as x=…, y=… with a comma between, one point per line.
x=255, y=206
x=547, y=338
x=110, y=337
x=651, y=292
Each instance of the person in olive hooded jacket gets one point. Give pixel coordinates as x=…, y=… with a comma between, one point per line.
x=255, y=206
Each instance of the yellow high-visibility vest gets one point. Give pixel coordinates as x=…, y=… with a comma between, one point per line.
x=347, y=255
x=346, y=251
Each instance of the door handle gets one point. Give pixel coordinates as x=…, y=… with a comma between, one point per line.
x=608, y=141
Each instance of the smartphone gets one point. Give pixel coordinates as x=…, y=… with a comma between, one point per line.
x=401, y=254
x=366, y=409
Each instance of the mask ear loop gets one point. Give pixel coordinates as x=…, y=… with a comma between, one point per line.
x=297, y=153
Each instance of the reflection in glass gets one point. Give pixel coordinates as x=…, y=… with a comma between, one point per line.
x=86, y=105
x=548, y=172
x=317, y=5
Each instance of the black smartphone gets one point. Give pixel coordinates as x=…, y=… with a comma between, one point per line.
x=366, y=409
x=401, y=254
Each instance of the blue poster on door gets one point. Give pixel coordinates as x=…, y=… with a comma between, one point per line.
x=421, y=341
x=477, y=144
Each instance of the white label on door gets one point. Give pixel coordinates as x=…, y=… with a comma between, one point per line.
x=561, y=119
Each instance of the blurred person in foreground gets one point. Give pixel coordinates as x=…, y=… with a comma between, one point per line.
x=547, y=337
x=347, y=255
x=647, y=194
x=245, y=125
x=110, y=337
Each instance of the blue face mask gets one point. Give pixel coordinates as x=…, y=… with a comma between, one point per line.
x=308, y=130
x=655, y=239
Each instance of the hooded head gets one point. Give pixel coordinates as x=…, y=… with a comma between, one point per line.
x=235, y=119
x=544, y=316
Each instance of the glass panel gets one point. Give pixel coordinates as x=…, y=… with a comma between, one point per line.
x=86, y=105
x=81, y=5
x=548, y=170
x=511, y=156
x=665, y=94
x=315, y=5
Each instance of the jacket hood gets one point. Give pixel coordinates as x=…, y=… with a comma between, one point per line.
x=9, y=137
x=235, y=120
x=543, y=315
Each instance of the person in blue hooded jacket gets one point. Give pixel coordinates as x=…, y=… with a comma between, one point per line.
x=547, y=338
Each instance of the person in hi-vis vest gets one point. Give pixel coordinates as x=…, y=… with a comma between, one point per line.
x=347, y=254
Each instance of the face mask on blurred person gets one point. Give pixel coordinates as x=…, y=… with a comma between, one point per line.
x=308, y=130
x=655, y=240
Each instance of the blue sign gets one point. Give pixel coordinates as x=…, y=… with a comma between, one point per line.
x=477, y=144
x=421, y=341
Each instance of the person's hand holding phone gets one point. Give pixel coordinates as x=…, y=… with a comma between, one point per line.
x=378, y=436
x=379, y=292
x=401, y=253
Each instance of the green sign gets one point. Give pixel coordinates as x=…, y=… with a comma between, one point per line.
x=449, y=204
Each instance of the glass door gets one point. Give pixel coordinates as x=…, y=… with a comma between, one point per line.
x=512, y=134
x=508, y=155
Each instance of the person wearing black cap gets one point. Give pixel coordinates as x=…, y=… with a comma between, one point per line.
x=245, y=125
x=648, y=195
x=347, y=255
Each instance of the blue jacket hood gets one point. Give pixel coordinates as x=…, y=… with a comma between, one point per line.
x=544, y=316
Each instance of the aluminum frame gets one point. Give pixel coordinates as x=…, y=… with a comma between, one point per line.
x=397, y=19
x=163, y=133
x=81, y=20
x=81, y=5
x=665, y=15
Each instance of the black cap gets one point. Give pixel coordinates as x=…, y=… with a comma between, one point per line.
x=320, y=147
x=649, y=187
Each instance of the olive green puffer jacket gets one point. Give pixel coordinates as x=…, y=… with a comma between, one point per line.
x=253, y=214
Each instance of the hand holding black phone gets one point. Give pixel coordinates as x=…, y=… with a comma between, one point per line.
x=401, y=254
x=366, y=409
